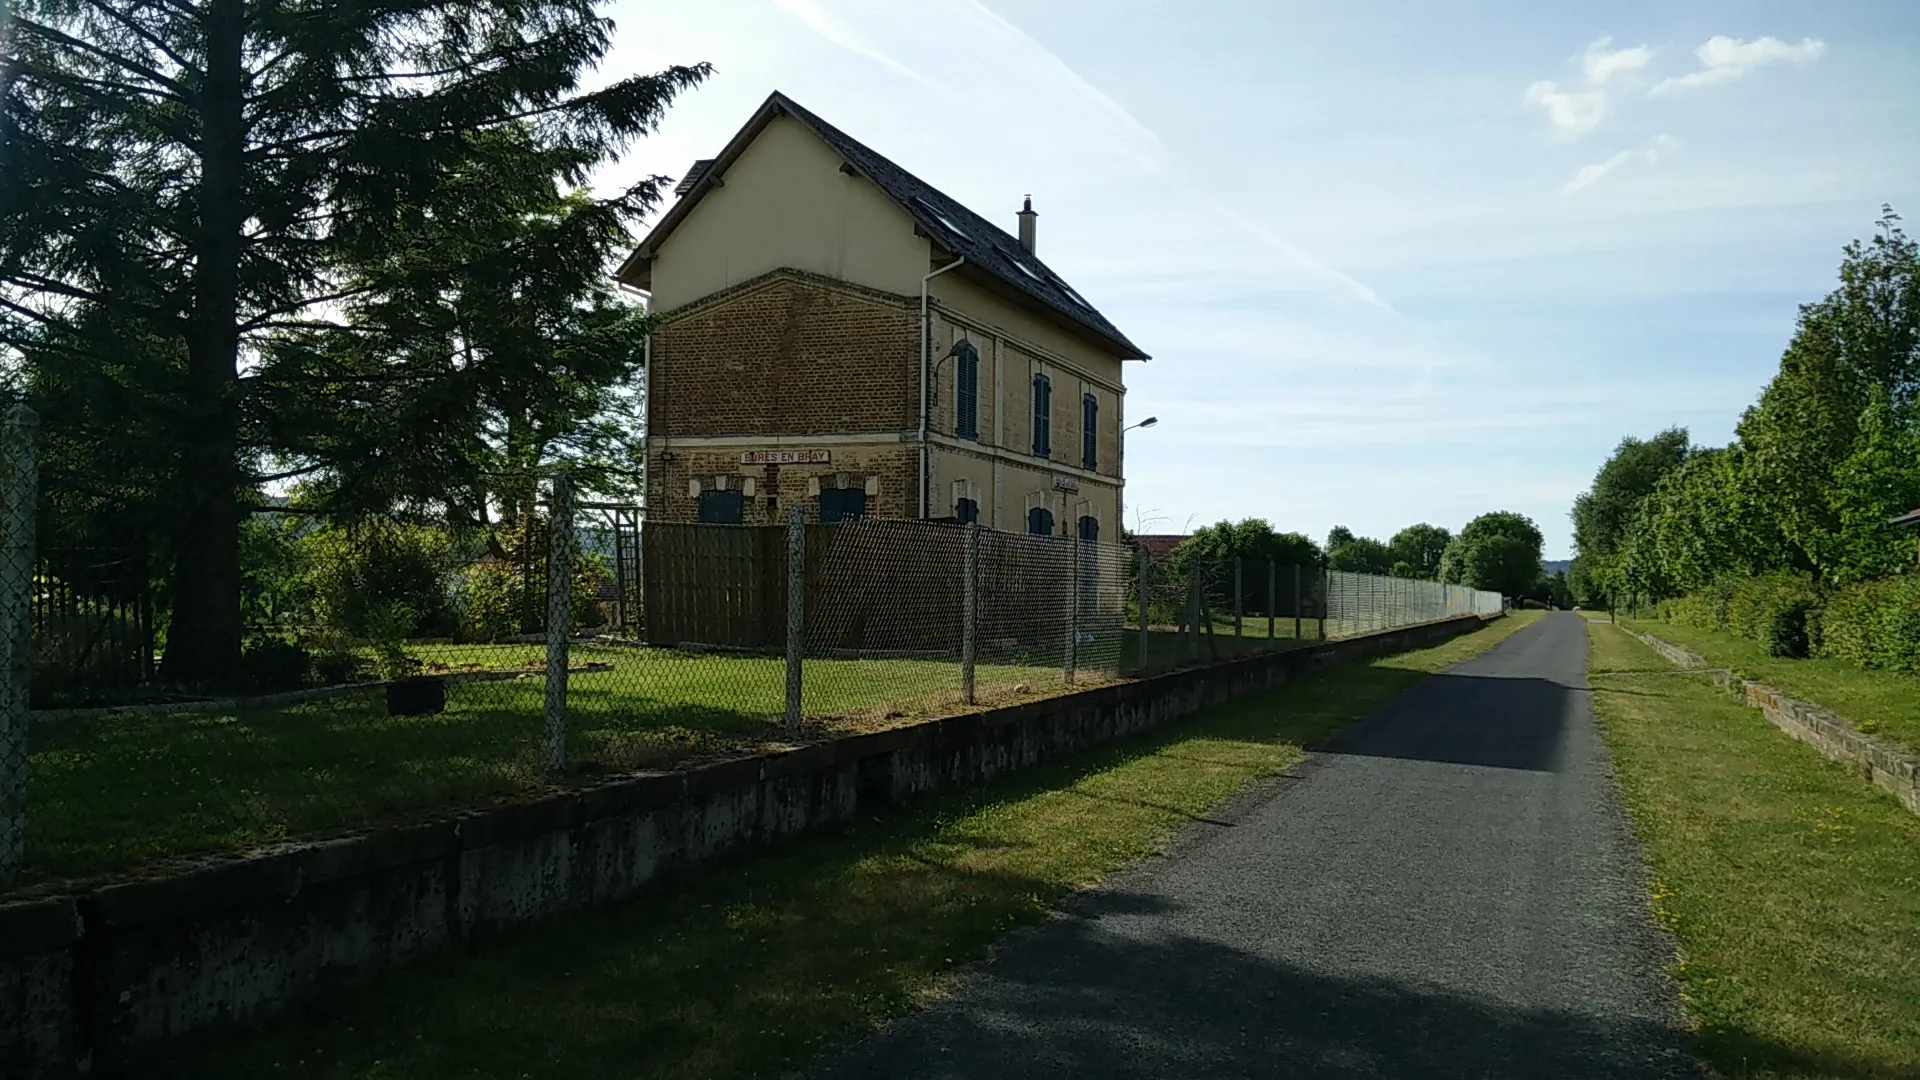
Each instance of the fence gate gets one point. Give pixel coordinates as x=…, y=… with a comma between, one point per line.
x=624, y=519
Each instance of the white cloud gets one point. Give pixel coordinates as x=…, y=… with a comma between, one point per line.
x=1589, y=175
x=1002, y=77
x=1574, y=112
x=1723, y=59
x=1602, y=63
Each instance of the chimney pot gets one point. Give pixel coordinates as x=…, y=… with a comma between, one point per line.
x=1028, y=219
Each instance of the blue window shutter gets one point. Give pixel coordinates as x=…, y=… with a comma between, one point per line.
x=966, y=397
x=1089, y=432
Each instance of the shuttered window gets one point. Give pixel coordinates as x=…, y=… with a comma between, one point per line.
x=1089, y=432
x=966, y=391
x=1042, y=416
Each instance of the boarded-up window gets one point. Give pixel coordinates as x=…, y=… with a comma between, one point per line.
x=843, y=504
x=722, y=507
x=1042, y=416
x=966, y=391
x=1089, y=432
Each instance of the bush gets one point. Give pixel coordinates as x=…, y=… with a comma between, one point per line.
x=1779, y=611
x=1874, y=624
x=271, y=663
x=499, y=602
x=365, y=571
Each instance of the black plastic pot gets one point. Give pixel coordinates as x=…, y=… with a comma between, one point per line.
x=422, y=695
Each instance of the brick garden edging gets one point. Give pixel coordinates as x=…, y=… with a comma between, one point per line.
x=96, y=978
x=1879, y=764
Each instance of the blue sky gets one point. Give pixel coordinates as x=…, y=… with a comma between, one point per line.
x=1395, y=261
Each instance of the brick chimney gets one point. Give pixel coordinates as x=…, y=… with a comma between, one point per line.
x=1027, y=220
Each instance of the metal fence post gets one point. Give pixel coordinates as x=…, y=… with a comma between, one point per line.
x=1073, y=610
x=1193, y=611
x=1238, y=599
x=969, y=612
x=1326, y=602
x=1146, y=565
x=18, y=499
x=1296, y=601
x=796, y=608
x=559, y=614
x=1272, y=597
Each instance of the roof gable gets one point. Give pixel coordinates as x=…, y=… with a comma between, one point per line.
x=984, y=246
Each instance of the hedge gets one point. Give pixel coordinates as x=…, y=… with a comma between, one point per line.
x=1874, y=624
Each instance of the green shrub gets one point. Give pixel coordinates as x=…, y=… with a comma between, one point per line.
x=363, y=573
x=499, y=602
x=1780, y=611
x=1874, y=624
x=1772, y=610
x=272, y=664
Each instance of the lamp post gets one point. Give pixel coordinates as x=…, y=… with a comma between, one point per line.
x=1119, y=498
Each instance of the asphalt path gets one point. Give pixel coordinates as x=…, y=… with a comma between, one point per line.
x=1448, y=889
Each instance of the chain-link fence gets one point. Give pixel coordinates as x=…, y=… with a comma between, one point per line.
x=397, y=666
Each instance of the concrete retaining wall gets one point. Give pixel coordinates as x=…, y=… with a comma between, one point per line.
x=92, y=981
x=1876, y=762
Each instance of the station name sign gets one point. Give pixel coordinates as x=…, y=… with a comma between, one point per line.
x=786, y=457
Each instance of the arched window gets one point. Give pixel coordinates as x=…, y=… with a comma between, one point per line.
x=1040, y=521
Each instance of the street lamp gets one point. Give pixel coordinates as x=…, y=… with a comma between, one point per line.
x=1119, y=498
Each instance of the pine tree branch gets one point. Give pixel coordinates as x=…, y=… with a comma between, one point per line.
x=76, y=82
x=140, y=31
x=268, y=315
x=272, y=478
x=55, y=36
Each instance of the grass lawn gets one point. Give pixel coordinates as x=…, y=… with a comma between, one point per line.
x=1792, y=887
x=758, y=965
x=1168, y=648
x=107, y=792
x=1884, y=704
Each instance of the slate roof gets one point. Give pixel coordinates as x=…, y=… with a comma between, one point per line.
x=981, y=243
x=1908, y=520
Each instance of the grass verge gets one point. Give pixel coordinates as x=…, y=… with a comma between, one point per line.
x=1884, y=704
x=756, y=967
x=1793, y=888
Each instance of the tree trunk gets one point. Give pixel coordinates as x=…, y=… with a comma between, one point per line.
x=203, y=638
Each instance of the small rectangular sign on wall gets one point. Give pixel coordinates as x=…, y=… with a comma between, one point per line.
x=786, y=457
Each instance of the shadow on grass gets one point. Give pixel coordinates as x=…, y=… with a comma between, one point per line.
x=117, y=790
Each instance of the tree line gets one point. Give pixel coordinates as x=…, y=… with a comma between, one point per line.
x=1498, y=551
x=1818, y=465
x=339, y=249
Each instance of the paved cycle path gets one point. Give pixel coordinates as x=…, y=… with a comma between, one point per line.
x=1448, y=889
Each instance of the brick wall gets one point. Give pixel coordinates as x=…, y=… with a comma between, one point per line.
x=788, y=353
x=891, y=465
